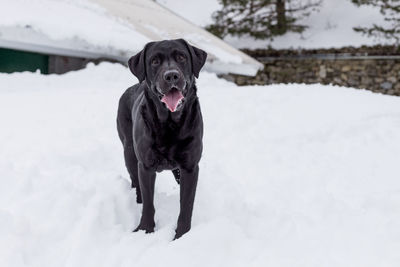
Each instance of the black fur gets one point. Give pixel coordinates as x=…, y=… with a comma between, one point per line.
x=153, y=137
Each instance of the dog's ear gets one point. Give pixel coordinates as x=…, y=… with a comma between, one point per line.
x=198, y=57
x=137, y=63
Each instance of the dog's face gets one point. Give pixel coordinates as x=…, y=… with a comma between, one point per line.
x=169, y=68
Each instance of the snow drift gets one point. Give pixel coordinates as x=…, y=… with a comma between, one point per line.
x=291, y=175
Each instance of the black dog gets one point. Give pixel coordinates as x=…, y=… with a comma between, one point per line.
x=160, y=124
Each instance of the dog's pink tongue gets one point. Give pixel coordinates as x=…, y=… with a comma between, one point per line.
x=171, y=99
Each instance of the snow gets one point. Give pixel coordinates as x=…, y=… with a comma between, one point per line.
x=331, y=26
x=223, y=55
x=198, y=12
x=85, y=20
x=291, y=175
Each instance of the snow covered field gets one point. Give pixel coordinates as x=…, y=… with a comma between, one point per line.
x=291, y=175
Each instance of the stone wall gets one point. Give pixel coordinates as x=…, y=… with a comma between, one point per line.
x=361, y=70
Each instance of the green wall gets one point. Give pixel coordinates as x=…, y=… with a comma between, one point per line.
x=15, y=61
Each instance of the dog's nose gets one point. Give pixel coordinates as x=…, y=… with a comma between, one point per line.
x=171, y=76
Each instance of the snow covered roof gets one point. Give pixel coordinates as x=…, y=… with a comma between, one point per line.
x=114, y=29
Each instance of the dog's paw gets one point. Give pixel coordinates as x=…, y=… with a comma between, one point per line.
x=180, y=231
x=178, y=235
x=148, y=229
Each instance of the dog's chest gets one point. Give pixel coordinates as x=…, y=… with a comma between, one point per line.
x=166, y=147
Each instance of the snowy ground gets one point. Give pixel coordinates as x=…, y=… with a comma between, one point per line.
x=292, y=175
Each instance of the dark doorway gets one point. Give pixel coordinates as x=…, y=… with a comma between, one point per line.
x=17, y=61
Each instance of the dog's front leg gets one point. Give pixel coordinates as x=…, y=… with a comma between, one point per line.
x=188, y=184
x=147, y=179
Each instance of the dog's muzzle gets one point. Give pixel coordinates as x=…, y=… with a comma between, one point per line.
x=174, y=82
x=173, y=99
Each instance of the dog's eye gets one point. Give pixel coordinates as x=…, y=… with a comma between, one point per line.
x=155, y=61
x=181, y=58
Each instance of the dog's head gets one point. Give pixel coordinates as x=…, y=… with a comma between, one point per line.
x=169, y=68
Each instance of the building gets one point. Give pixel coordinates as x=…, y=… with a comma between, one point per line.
x=56, y=36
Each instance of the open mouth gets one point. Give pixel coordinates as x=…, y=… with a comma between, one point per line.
x=173, y=99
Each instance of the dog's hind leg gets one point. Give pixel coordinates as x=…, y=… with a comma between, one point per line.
x=131, y=164
x=124, y=127
x=177, y=174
